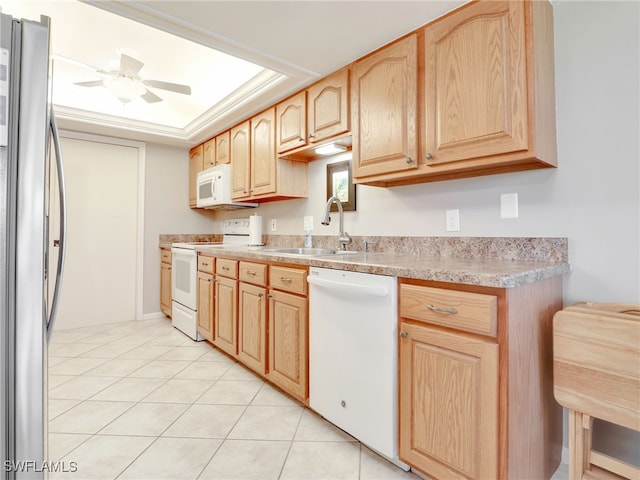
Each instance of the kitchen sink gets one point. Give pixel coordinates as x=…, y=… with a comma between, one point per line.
x=307, y=252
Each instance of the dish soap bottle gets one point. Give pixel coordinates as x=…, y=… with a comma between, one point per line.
x=308, y=228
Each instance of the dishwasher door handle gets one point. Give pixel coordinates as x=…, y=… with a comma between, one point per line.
x=348, y=287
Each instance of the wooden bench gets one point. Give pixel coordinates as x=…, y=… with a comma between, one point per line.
x=596, y=369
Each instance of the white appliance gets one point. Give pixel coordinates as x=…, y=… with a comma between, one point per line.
x=184, y=275
x=214, y=189
x=353, y=355
x=30, y=183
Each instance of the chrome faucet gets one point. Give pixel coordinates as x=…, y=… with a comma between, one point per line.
x=343, y=237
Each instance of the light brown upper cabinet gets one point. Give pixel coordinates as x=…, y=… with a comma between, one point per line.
x=478, y=64
x=314, y=116
x=486, y=95
x=384, y=110
x=263, y=153
x=240, y=160
x=196, y=165
x=291, y=118
x=258, y=174
x=328, y=106
x=209, y=152
x=223, y=148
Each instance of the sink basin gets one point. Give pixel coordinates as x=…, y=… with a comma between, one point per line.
x=307, y=252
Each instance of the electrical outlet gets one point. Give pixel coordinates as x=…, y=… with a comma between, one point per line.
x=274, y=225
x=509, y=205
x=453, y=220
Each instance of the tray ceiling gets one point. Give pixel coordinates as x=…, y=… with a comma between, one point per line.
x=237, y=56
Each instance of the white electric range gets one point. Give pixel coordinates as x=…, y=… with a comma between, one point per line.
x=184, y=274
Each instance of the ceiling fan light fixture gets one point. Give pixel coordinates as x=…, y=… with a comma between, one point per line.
x=124, y=88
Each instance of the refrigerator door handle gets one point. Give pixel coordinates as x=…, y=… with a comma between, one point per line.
x=63, y=226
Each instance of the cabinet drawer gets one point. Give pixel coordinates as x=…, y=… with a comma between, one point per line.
x=255, y=273
x=289, y=279
x=227, y=268
x=205, y=264
x=165, y=255
x=473, y=312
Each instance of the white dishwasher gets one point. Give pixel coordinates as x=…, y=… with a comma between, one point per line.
x=353, y=357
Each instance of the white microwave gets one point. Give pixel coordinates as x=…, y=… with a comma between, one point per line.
x=214, y=189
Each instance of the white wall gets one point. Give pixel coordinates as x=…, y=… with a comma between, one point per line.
x=166, y=211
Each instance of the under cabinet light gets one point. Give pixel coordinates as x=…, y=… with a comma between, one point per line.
x=330, y=149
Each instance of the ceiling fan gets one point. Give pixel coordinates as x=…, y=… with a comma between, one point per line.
x=127, y=85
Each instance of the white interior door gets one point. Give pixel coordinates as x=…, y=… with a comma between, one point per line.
x=99, y=282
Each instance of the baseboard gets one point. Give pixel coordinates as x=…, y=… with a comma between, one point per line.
x=153, y=316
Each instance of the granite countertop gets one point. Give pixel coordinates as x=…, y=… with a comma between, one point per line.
x=473, y=271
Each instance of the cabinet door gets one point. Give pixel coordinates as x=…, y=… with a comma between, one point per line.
x=165, y=288
x=252, y=326
x=223, y=146
x=328, y=106
x=205, y=305
x=195, y=165
x=384, y=110
x=475, y=83
x=263, y=153
x=291, y=120
x=448, y=403
x=209, y=152
x=288, y=343
x=240, y=160
x=226, y=314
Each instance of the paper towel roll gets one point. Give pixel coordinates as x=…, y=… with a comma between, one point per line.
x=255, y=230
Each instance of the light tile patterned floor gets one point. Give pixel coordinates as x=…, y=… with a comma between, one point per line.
x=140, y=400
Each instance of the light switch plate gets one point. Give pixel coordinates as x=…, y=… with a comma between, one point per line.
x=274, y=225
x=308, y=223
x=509, y=205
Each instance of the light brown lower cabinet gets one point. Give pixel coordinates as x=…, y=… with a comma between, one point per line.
x=456, y=376
x=252, y=326
x=226, y=315
x=475, y=380
x=165, y=281
x=269, y=338
x=206, y=302
x=288, y=342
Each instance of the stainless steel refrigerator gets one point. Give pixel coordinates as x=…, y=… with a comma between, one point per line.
x=29, y=159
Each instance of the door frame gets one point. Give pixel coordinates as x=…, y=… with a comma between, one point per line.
x=141, y=146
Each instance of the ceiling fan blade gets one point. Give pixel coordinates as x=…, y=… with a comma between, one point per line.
x=150, y=97
x=92, y=83
x=129, y=65
x=172, y=87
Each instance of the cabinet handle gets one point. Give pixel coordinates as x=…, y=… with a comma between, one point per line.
x=245, y=192
x=226, y=269
x=409, y=160
x=249, y=272
x=311, y=135
x=428, y=156
x=403, y=334
x=269, y=296
x=300, y=139
x=285, y=280
x=433, y=308
x=260, y=295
